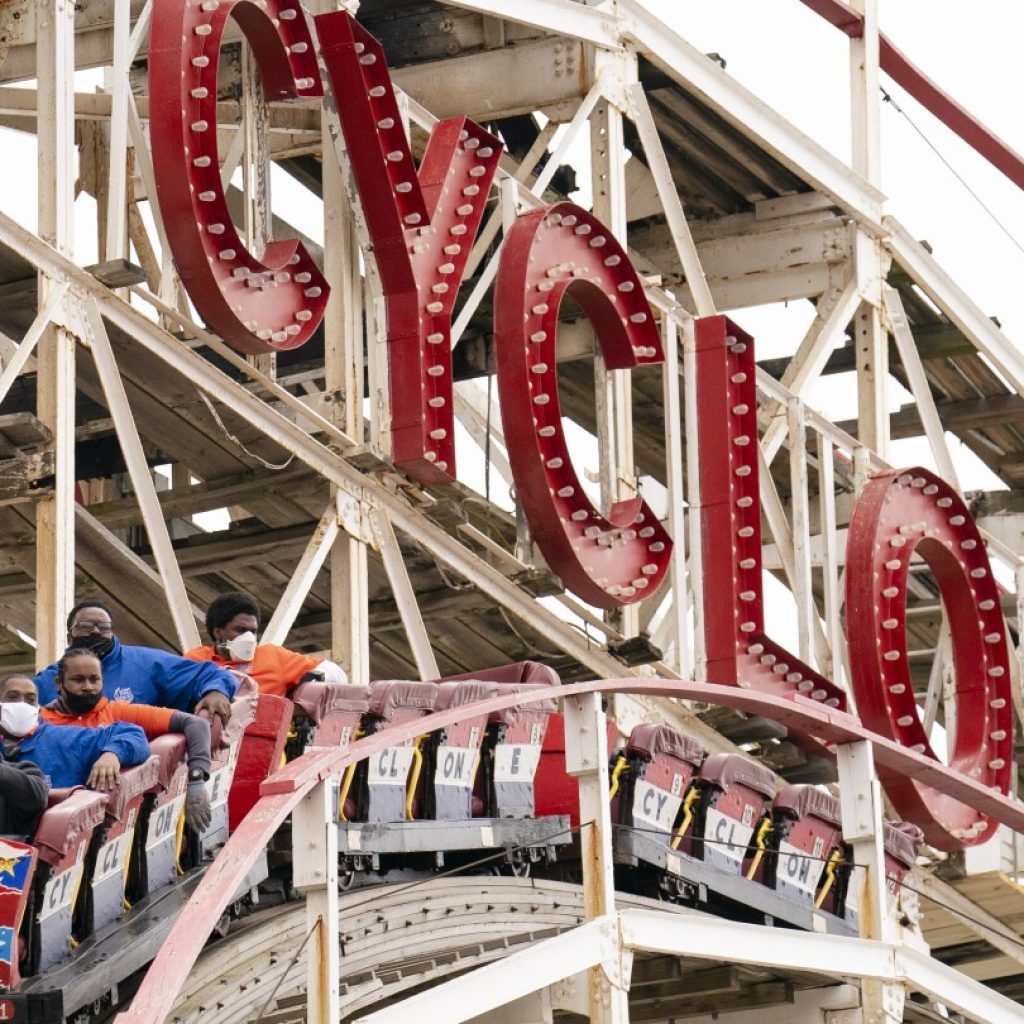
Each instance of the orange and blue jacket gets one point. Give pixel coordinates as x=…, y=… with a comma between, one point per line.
x=275, y=669
x=154, y=721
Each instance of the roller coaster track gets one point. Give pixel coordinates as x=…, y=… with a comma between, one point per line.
x=395, y=939
x=170, y=972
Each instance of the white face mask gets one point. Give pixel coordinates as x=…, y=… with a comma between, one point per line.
x=18, y=718
x=242, y=647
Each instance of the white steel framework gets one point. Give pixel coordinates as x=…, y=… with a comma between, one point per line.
x=395, y=579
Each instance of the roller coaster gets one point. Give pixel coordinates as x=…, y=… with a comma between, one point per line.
x=723, y=729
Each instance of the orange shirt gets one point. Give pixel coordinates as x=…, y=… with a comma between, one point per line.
x=154, y=721
x=275, y=669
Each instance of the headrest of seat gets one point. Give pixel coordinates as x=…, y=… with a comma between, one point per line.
x=725, y=769
x=509, y=716
x=801, y=800
x=519, y=672
x=651, y=740
x=170, y=749
x=134, y=782
x=902, y=840
x=389, y=695
x=80, y=811
x=319, y=699
x=455, y=694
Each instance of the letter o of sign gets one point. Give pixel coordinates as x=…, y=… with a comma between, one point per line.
x=257, y=305
x=900, y=514
x=550, y=253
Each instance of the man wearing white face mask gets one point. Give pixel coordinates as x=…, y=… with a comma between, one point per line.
x=23, y=789
x=68, y=755
x=233, y=624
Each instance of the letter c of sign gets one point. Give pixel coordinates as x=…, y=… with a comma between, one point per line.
x=900, y=514
x=550, y=253
x=257, y=305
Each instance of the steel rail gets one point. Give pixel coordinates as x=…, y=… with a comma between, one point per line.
x=388, y=933
x=283, y=791
x=927, y=92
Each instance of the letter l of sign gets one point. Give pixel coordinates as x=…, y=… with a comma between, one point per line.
x=738, y=651
x=421, y=226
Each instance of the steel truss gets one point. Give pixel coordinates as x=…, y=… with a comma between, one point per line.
x=99, y=332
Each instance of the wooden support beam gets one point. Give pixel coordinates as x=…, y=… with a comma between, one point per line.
x=310, y=564
x=957, y=416
x=55, y=370
x=142, y=481
x=405, y=595
x=938, y=340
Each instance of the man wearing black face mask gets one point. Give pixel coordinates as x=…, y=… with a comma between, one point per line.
x=81, y=702
x=142, y=674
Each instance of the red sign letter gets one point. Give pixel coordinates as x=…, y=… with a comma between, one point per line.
x=257, y=305
x=421, y=226
x=606, y=561
x=738, y=651
x=900, y=514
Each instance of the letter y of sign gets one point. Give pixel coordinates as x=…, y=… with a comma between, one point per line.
x=421, y=227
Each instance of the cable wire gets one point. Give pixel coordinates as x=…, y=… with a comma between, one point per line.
x=887, y=98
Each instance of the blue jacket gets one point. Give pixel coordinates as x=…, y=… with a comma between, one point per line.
x=66, y=753
x=148, y=676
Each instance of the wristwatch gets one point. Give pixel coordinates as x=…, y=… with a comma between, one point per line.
x=198, y=775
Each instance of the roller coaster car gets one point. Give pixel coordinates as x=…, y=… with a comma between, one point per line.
x=733, y=807
x=103, y=900
x=17, y=867
x=455, y=753
x=651, y=781
x=154, y=862
x=326, y=714
x=104, y=859
x=805, y=846
x=62, y=839
x=476, y=776
x=700, y=830
x=513, y=749
x=267, y=720
x=901, y=840
x=393, y=782
x=557, y=792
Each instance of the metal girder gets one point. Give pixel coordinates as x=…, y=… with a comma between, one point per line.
x=692, y=69
x=675, y=217
x=545, y=74
x=830, y=955
x=55, y=359
x=926, y=272
x=310, y=564
x=405, y=596
x=94, y=35
x=487, y=988
x=919, y=387
x=564, y=17
x=142, y=480
x=990, y=928
x=810, y=357
x=749, y=263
